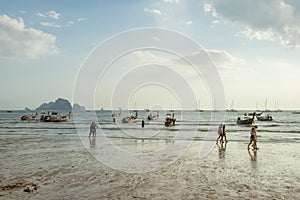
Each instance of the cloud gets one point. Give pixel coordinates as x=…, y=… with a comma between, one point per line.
x=50, y=24
x=273, y=20
x=17, y=41
x=81, y=19
x=223, y=58
x=224, y=61
x=51, y=14
x=54, y=15
x=41, y=14
x=153, y=11
x=23, y=11
x=171, y=1
x=189, y=22
x=69, y=23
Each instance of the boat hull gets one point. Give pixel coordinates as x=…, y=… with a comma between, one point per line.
x=245, y=121
x=51, y=119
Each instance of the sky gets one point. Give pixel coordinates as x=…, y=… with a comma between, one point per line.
x=254, y=45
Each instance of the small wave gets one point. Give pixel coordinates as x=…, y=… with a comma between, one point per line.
x=35, y=127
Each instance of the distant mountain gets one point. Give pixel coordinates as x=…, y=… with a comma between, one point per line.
x=59, y=104
x=27, y=109
x=78, y=107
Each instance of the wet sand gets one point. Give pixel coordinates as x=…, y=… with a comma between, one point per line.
x=59, y=167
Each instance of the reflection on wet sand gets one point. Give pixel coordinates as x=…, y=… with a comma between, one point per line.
x=253, y=158
x=92, y=142
x=222, y=148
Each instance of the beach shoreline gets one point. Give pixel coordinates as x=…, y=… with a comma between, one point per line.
x=59, y=167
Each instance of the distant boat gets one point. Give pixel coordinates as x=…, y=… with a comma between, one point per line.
x=264, y=118
x=153, y=117
x=116, y=114
x=29, y=117
x=55, y=118
x=296, y=112
x=171, y=110
x=277, y=107
x=246, y=120
x=251, y=114
x=198, y=109
x=231, y=109
x=266, y=106
x=170, y=120
x=9, y=111
x=131, y=119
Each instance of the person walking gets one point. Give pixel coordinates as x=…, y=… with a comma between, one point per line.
x=224, y=134
x=220, y=133
x=253, y=138
x=93, y=127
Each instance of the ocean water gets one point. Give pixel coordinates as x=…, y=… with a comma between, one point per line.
x=190, y=125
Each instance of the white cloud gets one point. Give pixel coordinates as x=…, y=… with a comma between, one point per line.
x=207, y=7
x=189, y=22
x=81, y=19
x=54, y=15
x=41, y=14
x=224, y=61
x=171, y=1
x=153, y=11
x=273, y=20
x=51, y=14
x=69, y=23
x=50, y=24
x=156, y=39
x=23, y=11
x=17, y=41
x=223, y=58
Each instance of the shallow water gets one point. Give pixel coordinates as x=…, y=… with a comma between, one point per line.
x=190, y=125
x=63, y=169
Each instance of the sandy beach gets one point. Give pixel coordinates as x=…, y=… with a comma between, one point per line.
x=59, y=167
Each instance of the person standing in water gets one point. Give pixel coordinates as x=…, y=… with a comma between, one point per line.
x=224, y=134
x=253, y=138
x=143, y=123
x=93, y=127
x=220, y=133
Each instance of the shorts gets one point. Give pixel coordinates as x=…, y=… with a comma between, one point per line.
x=252, y=136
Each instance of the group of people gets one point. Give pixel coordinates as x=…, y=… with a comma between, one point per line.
x=221, y=133
x=253, y=136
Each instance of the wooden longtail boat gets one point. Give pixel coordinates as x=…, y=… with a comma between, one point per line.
x=56, y=118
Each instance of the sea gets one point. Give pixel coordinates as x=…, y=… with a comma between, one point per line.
x=190, y=125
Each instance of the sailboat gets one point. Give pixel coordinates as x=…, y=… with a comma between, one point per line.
x=277, y=107
x=266, y=106
x=198, y=109
x=231, y=109
x=215, y=106
x=171, y=108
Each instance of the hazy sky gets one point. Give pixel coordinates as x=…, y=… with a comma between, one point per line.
x=255, y=45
